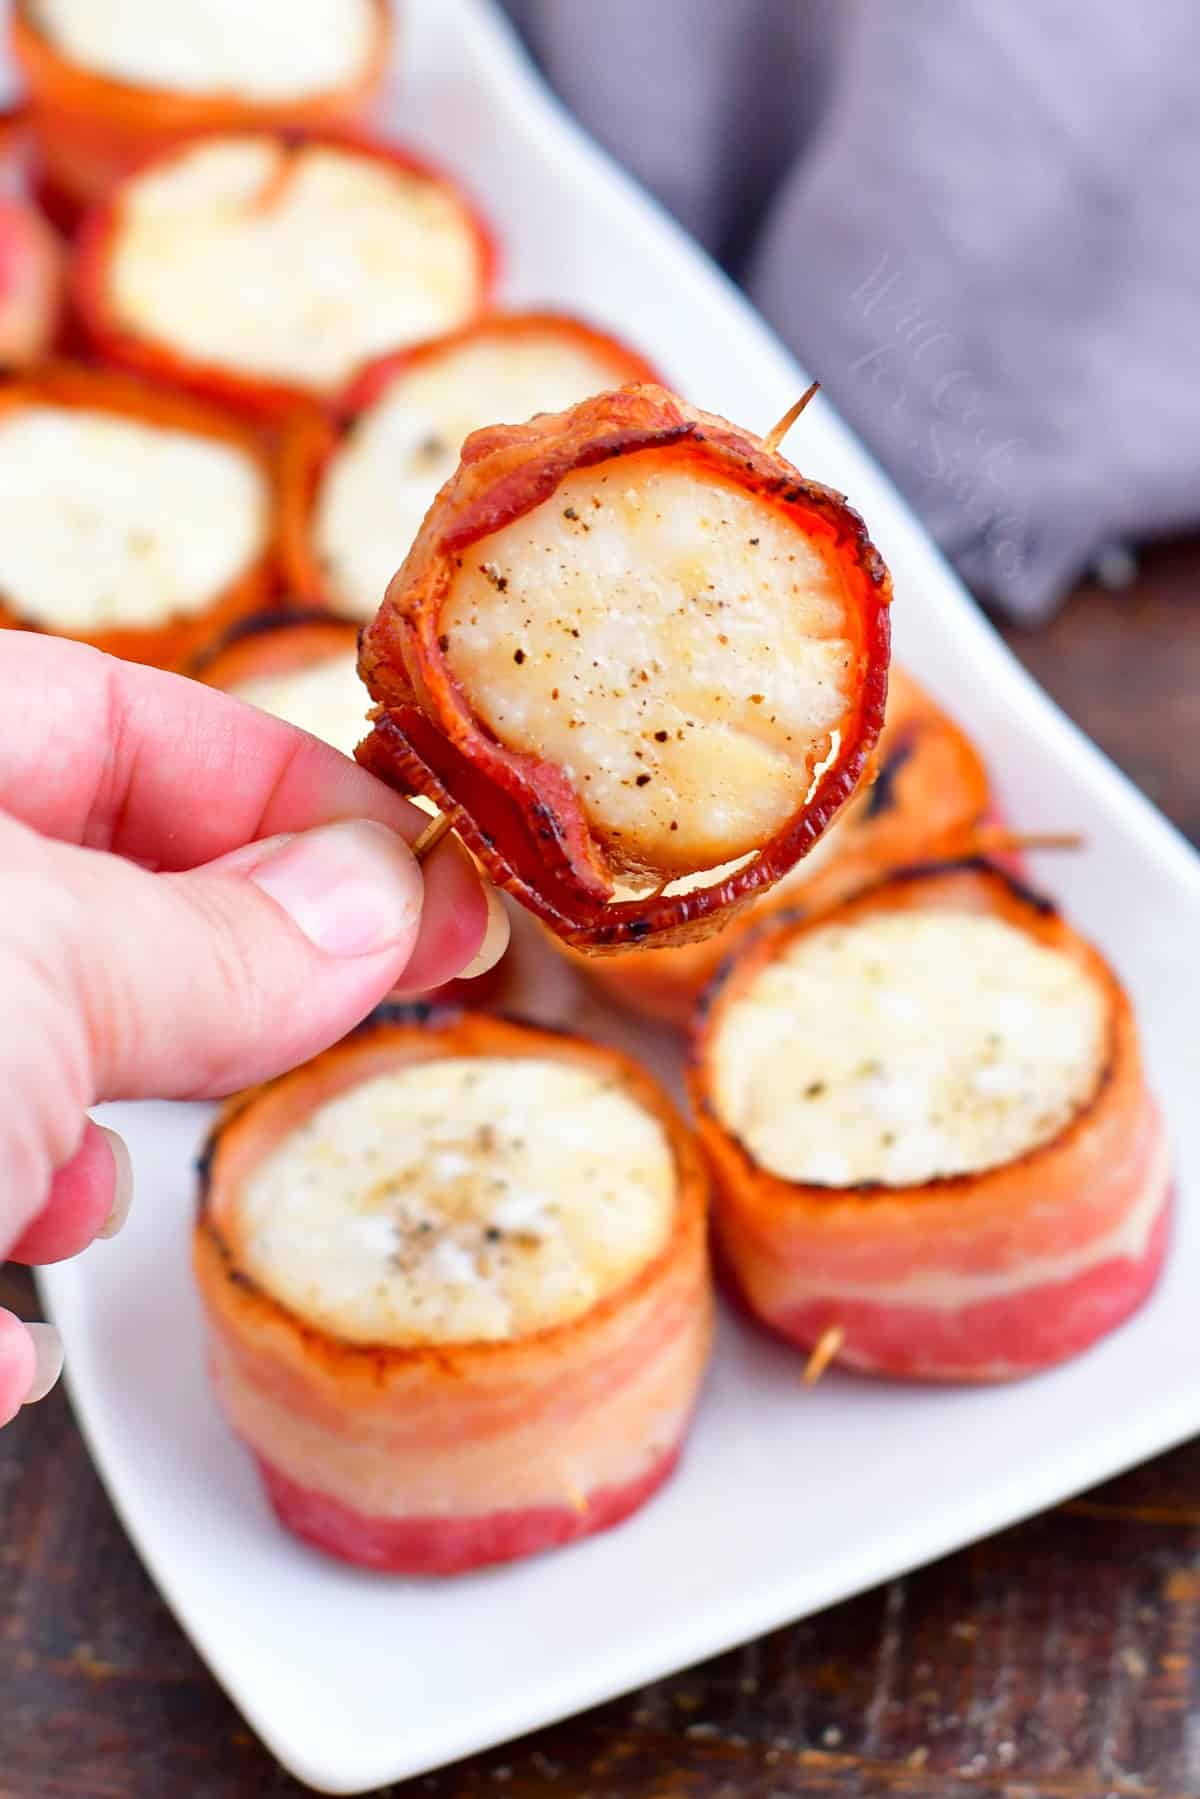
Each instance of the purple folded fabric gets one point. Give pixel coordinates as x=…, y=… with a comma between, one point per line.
x=976, y=224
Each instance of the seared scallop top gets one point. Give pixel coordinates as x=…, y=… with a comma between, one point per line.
x=459, y=1199
x=898, y=1048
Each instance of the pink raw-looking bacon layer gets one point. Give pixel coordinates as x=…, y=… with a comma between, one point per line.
x=1000, y=1337
x=436, y=1457
x=451, y=1545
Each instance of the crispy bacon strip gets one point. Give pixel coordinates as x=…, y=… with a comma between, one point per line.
x=90, y=130
x=978, y=1277
x=436, y=1459
x=520, y=814
x=175, y=644
x=927, y=797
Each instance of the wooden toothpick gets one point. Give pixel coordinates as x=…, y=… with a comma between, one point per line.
x=995, y=841
x=777, y=433
x=824, y=1349
x=431, y=836
x=576, y=1497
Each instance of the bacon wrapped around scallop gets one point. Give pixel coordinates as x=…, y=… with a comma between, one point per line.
x=456, y=1280
x=132, y=517
x=631, y=644
x=265, y=267
x=934, y=1149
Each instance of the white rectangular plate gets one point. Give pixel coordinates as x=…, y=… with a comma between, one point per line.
x=787, y=1499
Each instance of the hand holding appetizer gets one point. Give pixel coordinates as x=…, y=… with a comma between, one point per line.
x=177, y=870
x=455, y=1273
x=454, y=1268
x=110, y=86
x=935, y=1152
x=631, y=645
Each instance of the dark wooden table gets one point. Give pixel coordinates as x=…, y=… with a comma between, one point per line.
x=1059, y=1660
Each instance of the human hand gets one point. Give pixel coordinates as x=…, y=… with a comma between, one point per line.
x=193, y=897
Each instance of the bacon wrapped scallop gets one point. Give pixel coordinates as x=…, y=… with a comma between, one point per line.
x=266, y=267
x=131, y=517
x=359, y=473
x=929, y=799
x=630, y=645
x=110, y=85
x=935, y=1152
x=455, y=1274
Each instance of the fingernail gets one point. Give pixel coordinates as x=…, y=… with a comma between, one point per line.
x=122, y=1184
x=48, y=1363
x=352, y=888
x=495, y=937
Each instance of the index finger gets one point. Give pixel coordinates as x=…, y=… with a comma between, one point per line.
x=160, y=769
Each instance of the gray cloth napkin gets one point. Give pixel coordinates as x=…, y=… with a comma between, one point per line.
x=978, y=224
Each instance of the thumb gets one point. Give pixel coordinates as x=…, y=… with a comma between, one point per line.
x=196, y=984
x=118, y=983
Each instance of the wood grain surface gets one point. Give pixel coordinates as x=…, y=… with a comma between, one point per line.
x=1058, y=1660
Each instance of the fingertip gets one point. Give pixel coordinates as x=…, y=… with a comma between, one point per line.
x=18, y=1366
x=122, y=1195
x=495, y=937
x=47, y=1361
x=89, y=1197
x=455, y=919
